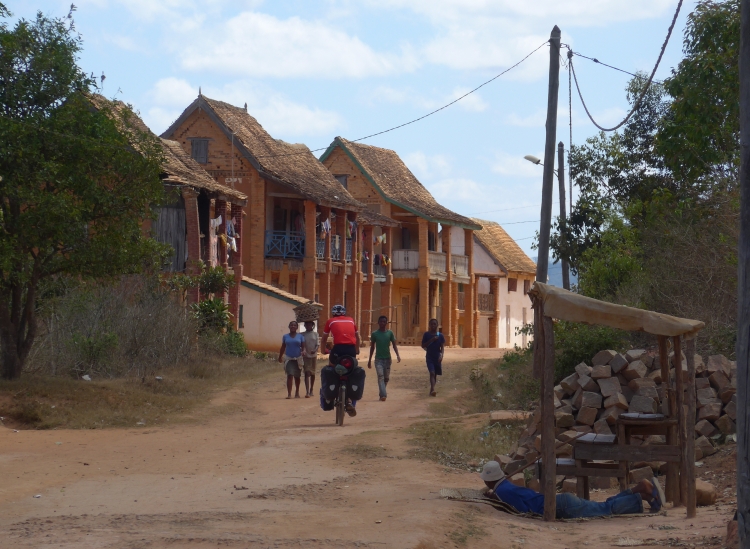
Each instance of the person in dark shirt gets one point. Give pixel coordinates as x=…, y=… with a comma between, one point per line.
x=569, y=506
x=433, y=343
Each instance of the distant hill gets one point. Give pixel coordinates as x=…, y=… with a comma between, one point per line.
x=554, y=272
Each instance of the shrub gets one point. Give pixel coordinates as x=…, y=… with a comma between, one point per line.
x=576, y=343
x=212, y=315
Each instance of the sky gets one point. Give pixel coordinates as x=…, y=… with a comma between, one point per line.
x=312, y=70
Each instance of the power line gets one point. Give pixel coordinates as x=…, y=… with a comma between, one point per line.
x=595, y=60
x=425, y=115
x=509, y=209
x=645, y=88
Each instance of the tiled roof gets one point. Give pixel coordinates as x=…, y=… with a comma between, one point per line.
x=273, y=290
x=292, y=165
x=503, y=248
x=397, y=184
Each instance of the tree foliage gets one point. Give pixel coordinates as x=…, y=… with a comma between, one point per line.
x=77, y=180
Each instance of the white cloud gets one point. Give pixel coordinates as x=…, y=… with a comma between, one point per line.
x=516, y=165
x=388, y=94
x=427, y=167
x=280, y=116
x=451, y=190
x=259, y=45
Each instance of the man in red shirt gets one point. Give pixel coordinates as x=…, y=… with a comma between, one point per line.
x=345, y=334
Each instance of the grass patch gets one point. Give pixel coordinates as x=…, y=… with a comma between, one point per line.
x=461, y=446
x=366, y=451
x=46, y=402
x=469, y=530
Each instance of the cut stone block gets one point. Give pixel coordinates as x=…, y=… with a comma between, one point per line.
x=503, y=460
x=516, y=465
x=634, y=354
x=627, y=393
x=731, y=410
x=600, y=483
x=727, y=394
x=559, y=391
x=603, y=357
x=655, y=440
x=719, y=381
x=708, y=392
x=622, y=379
x=534, y=484
x=556, y=401
x=698, y=454
x=601, y=372
x=611, y=414
x=726, y=425
x=591, y=400
x=637, y=475
x=643, y=405
x=701, y=401
x=655, y=375
x=702, y=383
x=705, y=445
x=609, y=386
x=583, y=369
x=565, y=450
x=565, y=408
x=518, y=479
x=532, y=456
x=705, y=428
x=601, y=427
x=587, y=416
x=563, y=419
x=637, y=383
x=648, y=392
x=649, y=361
x=705, y=493
x=566, y=402
x=618, y=399
x=711, y=412
x=700, y=367
x=587, y=384
x=570, y=383
x=582, y=428
x=577, y=398
x=569, y=485
x=718, y=363
x=635, y=370
x=521, y=452
x=567, y=435
x=618, y=362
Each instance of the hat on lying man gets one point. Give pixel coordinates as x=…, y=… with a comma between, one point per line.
x=492, y=472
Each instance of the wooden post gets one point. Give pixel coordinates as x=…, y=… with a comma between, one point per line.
x=680, y=389
x=743, y=290
x=538, y=340
x=689, y=455
x=563, y=217
x=548, y=419
x=669, y=409
x=549, y=155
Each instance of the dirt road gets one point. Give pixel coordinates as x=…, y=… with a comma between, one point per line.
x=278, y=473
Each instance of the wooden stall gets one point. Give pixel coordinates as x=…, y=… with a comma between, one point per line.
x=678, y=419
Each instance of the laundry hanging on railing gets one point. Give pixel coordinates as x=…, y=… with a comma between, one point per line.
x=213, y=242
x=325, y=228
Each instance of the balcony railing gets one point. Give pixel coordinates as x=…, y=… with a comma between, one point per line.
x=285, y=245
x=348, y=250
x=436, y=262
x=486, y=302
x=320, y=248
x=336, y=247
x=380, y=271
x=460, y=265
x=405, y=260
x=461, y=300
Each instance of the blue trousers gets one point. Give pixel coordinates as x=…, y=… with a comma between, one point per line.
x=624, y=503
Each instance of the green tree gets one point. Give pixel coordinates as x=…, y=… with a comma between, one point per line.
x=76, y=180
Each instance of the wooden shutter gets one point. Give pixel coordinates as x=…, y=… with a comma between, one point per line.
x=512, y=285
x=199, y=150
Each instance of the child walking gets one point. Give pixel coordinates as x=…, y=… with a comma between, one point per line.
x=291, y=355
x=434, y=343
x=310, y=354
x=380, y=343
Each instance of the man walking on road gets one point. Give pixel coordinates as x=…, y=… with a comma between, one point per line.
x=380, y=343
x=434, y=343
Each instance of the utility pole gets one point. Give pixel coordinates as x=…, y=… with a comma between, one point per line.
x=549, y=155
x=563, y=218
x=743, y=294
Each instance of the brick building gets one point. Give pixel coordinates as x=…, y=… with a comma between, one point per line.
x=430, y=271
x=302, y=230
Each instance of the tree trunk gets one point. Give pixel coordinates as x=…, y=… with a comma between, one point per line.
x=10, y=361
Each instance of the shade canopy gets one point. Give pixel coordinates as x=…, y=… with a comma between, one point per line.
x=566, y=305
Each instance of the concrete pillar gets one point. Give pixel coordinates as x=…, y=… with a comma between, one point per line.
x=495, y=318
x=386, y=288
x=309, y=263
x=256, y=232
x=324, y=282
x=469, y=293
x=193, y=239
x=448, y=290
x=424, y=276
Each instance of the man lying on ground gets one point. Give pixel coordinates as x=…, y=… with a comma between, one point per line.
x=569, y=506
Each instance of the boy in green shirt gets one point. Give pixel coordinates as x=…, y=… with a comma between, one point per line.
x=380, y=342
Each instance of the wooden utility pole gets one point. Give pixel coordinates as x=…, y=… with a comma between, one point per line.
x=549, y=155
x=563, y=216
x=743, y=287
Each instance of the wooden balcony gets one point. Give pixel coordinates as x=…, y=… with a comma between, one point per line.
x=282, y=244
x=486, y=303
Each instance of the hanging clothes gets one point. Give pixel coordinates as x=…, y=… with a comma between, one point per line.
x=213, y=241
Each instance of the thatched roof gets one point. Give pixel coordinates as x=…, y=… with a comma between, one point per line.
x=180, y=169
x=503, y=249
x=394, y=181
x=291, y=165
x=375, y=219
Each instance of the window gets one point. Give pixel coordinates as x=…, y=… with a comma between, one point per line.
x=200, y=151
x=240, y=321
x=343, y=179
x=526, y=287
x=512, y=285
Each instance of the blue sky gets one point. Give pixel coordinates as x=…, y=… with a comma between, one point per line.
x=312, y=70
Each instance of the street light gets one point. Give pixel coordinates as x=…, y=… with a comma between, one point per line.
x=563, y=222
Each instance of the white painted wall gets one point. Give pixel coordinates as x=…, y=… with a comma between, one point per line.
x=265, y=318
x=457, y=241
x=517, y=302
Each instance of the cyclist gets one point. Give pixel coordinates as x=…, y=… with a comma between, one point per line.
x=346, y=341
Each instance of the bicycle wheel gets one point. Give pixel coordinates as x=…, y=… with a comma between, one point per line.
x=341, y=405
